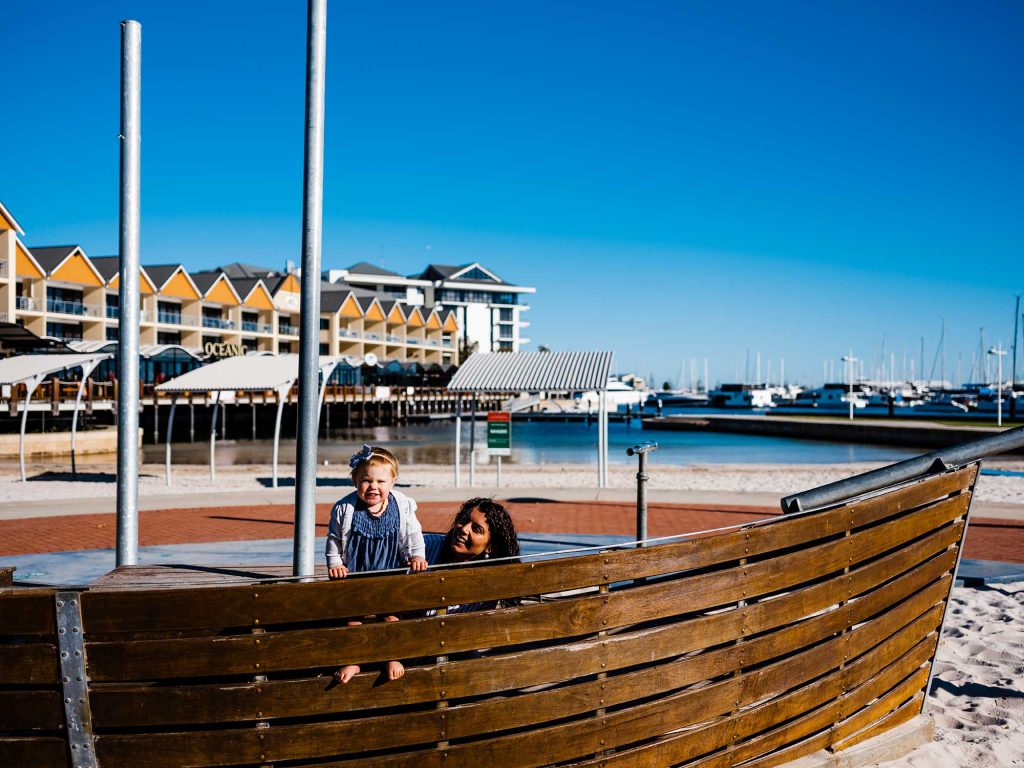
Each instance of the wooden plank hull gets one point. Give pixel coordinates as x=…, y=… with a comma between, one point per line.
x=755, y=645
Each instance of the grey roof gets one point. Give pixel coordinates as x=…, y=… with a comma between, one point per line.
x=244, y=285
x=439, y=271
x=366, y=268
x=533, y=372
x=331, y=301
x=106, y=266
x=50, y=257
x=204, y=280
x=238, y=269
x=160, y=273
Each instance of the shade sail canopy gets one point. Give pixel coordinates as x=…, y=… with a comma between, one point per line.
x=255, y=373
x=145, y=350
x=21, y=368
x=533, y=372
x=22, y=340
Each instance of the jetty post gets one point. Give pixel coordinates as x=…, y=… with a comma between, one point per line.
x=641, y=451
x=129, y=298
x=309, y=331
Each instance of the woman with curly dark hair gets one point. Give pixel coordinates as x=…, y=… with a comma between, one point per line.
x=482, y=529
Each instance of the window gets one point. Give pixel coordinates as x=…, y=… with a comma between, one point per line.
x=324, y=349
x=168, y=337
x=325, y=323
x=66, y=331
x=111, y=334
x=505, y=315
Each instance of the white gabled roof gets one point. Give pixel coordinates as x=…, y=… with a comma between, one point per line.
x=21, y=368
x=533, y=372
x=145, y=350
x=256, y=373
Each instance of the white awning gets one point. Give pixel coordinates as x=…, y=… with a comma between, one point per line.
x=22, y=368
x=255, y=373
x=146, y=351
x=533, y=372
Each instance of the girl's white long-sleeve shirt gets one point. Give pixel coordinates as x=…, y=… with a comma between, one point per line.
x=410, y=530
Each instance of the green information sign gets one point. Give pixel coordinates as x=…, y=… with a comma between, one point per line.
x=499, y=433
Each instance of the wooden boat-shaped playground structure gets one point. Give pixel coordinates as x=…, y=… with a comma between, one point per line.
x=804, y=634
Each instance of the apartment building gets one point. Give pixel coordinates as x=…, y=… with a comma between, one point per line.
x=62, y=292
x=489, y=311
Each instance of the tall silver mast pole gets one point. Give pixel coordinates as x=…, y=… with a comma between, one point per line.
x=128, y=298
x=309, y=333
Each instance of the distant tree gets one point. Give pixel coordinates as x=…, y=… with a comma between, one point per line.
x=666, y=385
x=543, y=348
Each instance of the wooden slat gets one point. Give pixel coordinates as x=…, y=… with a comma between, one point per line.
x=852, y=730
x=407, y=639
x=752, y=728
x=29, y=664
x=26, y=611
x=152, y=610
x=907, y=711
x=31, y=710
x=305, y=741
x=119, y=706
x=45, y=752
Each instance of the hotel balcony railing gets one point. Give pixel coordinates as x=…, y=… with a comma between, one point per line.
x=250, y=327
x=393, y=339
x=446, y=342
x=113, y=312
x=26, y=303
x=416, y=342
x=217, y=322
x=287, y=330
x=432, y=342
x=372, y=336
x=71, y=308
x=3, y=269
x=171, y=318
x=348, y=333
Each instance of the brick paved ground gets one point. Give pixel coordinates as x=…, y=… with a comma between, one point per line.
x=987, y=539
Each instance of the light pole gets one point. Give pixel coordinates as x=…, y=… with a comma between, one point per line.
x=1000, y=353
x=850, y=360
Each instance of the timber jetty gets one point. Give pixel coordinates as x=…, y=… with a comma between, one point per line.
x=891, y=432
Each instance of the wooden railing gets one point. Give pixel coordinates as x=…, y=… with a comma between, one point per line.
x=759, y=643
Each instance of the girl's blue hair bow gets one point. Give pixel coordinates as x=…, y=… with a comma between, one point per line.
x=360, y=456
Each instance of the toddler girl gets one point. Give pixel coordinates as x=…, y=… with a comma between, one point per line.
x=374, y=528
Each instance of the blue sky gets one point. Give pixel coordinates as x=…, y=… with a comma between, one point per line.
x=678, y=180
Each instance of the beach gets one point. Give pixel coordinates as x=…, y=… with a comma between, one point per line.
x=51, y=481
x=978, y=696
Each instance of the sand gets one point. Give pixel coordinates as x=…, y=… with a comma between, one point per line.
x=53, y=481
x=978, y=689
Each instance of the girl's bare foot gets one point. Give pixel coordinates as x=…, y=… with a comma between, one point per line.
x=395, y=670
x=346, y=673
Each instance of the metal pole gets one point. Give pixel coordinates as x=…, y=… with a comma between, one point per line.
x=213, y=437
x=282, y=393
x=472, y=442
x=129, y=298
x=170, y=432
x=642, y=477
x=499, y=472
x=910, y=469
x=458, y=442
x=30, y=387
x=309, y=331
x=87, y=370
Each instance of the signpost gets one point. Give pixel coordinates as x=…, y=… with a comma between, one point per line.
x=499, y=437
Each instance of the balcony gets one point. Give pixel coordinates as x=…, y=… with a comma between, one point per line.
x=76, y=308
x=348, y=333
x=287, y=330
x=170, y=318
x=415, y=342
x=113, y=312
x=371, y=336
x=3, y=269
x=432, y=342
x=26, y=303
x=218, y=322
x=252, y=327
x=446, y=343
x=392, y=339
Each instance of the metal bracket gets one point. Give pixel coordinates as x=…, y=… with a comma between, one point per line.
x=71, y=645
